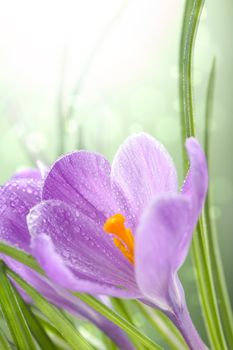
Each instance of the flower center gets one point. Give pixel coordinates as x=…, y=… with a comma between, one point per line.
x=124, y=239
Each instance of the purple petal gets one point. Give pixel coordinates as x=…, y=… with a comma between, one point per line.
x=56, y=269
x=33, y=278
x=82, y=243
x=82, y=179
x=115, y=333
x=143, y=168
x=33, y=174
x=43, y=286
x=196, y=183
x=165, y=232
x=160, y=240
x=18, y=196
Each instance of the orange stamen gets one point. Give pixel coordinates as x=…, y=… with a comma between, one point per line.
x=124, y=239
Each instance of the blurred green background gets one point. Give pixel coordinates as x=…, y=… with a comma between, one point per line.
x=122, y=58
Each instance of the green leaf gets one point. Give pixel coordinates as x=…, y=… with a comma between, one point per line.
x=50, y=329
x=118, y=320
x=96, y=305
x=109, y=343
x=34, y=326
x=4, y=345
x=13, y=313
x=190, y=23
x=200, y=248
x=54, y=315
x=164, y=326
x=119, y=306
x=155, y=318
x=219, y=278
x=20, y=256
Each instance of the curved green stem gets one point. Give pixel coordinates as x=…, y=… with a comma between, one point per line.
x=14, y=314
x=200, y=247
x=118, y=320
x=219, y=278
x=120, y=307
x=34, y=325
x=3, y=342
x=58, y=319
x=21, y=256
x=164, y=326
x=181, y=318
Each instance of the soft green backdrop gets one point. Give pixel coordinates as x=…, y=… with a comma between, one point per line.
x=130, y=50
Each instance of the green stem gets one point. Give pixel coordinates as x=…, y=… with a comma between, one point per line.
x=34, y=325
x=200, y=248
x=118, y=320
x=219, y=278
x=119, y=306
x=52, y=332
x=164, y=326
x=58, y=319
x=13, y=313
x=4, y=345
x=190, y=19
x=108, y=342
x=21, y=256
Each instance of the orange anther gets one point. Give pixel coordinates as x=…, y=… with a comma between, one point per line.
x=124, y=239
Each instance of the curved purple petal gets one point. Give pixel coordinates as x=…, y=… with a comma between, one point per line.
x=196, y=183
x=160, y=240
x=18, y=196
x=115, y=333
x=165, y=232
x=39, y=282
x=143, y=168
x=82, y=179
x=56, y=269
x=82, y=243
x=33, y=174
x=22, y=191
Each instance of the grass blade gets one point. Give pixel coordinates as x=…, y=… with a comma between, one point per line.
x=4, y=345
x=200, y=248
x=20, y=256
x=164, y=326
x=219, y=278
x=54, y=315
x=96, y=305
x=119, y=306
x=35, y=327
x=13, y=313
x=118, y=320
x=155, y=318
x=53, y=333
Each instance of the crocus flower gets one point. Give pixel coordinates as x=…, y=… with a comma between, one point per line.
x=122, y=230
x=17, y=197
